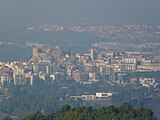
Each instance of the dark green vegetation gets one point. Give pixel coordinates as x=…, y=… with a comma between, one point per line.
x=124, y=112
x=46, y=95
x=49, y=96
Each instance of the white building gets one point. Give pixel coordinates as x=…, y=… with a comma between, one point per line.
x=103, y=95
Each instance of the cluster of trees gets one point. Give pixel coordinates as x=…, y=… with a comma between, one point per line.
x=124, y=112
x=50, y=97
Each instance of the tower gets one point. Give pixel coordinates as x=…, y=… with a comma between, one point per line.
x=38, y=54
x=92, y=54
x=34, y=53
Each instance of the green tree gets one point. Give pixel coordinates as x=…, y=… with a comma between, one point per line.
x=65, y=108
x=7, y=118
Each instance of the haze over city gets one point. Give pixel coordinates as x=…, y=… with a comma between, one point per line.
x=78, y=11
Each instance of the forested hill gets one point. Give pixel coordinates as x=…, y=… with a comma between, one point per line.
x=123, y=112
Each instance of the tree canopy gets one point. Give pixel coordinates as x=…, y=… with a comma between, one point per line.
x=123, y=112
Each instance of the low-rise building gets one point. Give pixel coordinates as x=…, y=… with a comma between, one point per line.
x=103, y=95
x=148, y=82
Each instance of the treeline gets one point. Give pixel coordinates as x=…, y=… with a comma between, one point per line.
x=123, y=112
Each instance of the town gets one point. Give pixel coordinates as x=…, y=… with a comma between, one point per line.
x=80, y=70
x=87, y=68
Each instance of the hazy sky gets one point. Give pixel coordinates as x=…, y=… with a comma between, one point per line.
x=75, y=11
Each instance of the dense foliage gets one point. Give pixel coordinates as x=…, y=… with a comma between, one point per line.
x=50, y=97
x=124, y=112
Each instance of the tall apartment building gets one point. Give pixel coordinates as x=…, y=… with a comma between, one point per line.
x=38, y=54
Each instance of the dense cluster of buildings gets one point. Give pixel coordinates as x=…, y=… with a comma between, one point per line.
x=85, y=68
x=126, y=31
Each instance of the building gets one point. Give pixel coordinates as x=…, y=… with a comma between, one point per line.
x=92, y=75
x=42, y=76
x=18, y=69
x=103, y=95
x=69, y=70
x=129, y=60
x=39, y=54
x=99, y=96
x=128, y=67
x=44, y=67
x=54, y=53
x=93, y=54
x=19, y=80
x=4, y=78
x=148, y=82
x=76, y=75
x=88, y=97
